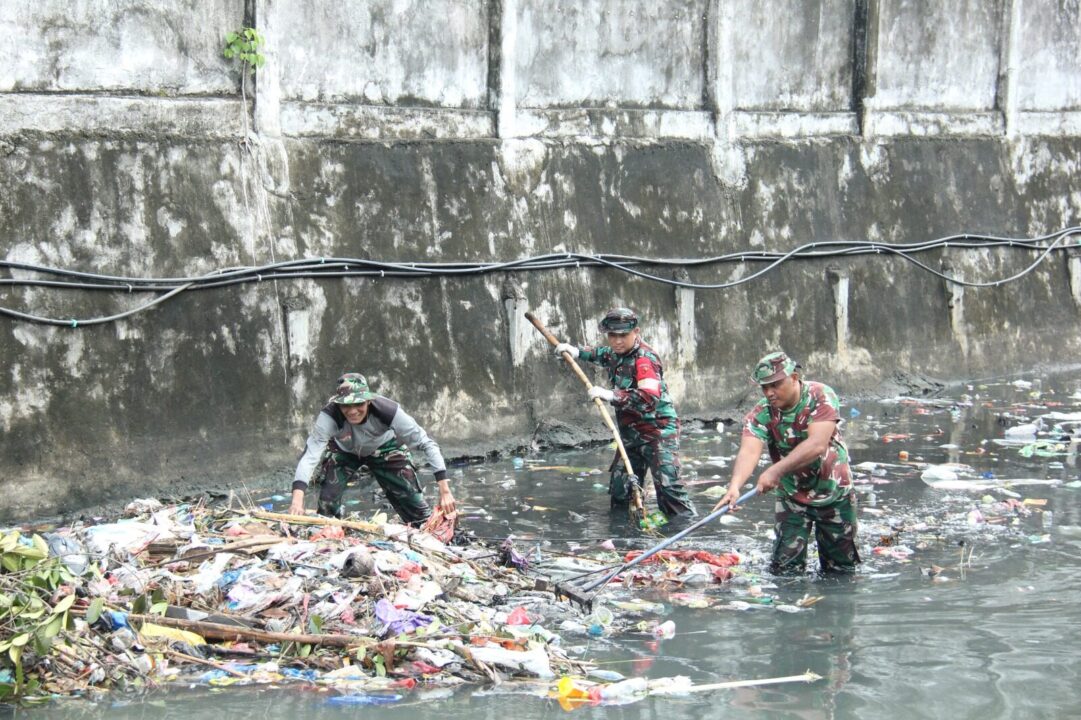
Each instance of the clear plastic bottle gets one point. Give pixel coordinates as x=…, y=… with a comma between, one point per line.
x=1048, y=519
x=665, y=630
x=624, y=689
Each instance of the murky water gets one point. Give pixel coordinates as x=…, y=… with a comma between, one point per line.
x=965, y=606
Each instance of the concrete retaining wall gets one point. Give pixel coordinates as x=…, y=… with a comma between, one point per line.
x=470, y=131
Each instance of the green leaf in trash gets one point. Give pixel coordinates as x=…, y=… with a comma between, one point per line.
x=52, y=628
x=158, y=608
x=64, y=605
x=315, y=625
x=42, y=644
x=94, y=611
x=9, y=541
x=304, y=650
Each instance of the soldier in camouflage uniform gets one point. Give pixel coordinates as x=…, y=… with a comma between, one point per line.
x=648, y=424
x=797, y=420
x=357, y=427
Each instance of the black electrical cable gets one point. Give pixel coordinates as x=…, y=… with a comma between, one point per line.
x=330, y=268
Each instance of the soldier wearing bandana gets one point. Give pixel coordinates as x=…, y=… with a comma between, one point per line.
x=357, y=427
x=648, y=423
x=797, y=420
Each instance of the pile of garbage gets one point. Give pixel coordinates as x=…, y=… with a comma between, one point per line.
x=188, y=595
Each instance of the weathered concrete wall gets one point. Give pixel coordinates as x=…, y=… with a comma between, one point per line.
x=803, y=63
x=477, y=131
x=591, y=53
x=430, y=52
x=933, y=55
x=121, y=45
x=1048, y=56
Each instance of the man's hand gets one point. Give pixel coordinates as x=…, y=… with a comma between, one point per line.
x=446, y=500
x=603, y=393
x=566, y=348
x=296, y=505
x=768, y=480
x=729, y=499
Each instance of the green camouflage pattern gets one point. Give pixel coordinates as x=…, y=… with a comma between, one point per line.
x=352, y=390
x=661, y=458
x=835, y=533
x=618, y=320
x=391, y=465
x=651, y=415
x=773, y=367
x=827, y=479
x=648, y=425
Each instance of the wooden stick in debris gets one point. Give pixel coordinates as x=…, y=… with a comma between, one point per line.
x=247, y=543
x=807, y=677
x=317, y=520
x=203, y=661
x=216, y=631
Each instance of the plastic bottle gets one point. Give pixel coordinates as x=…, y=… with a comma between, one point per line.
x=519, y=463
x=1048, y=518
x=601, y=616
x=625, y=689
x=665, y=630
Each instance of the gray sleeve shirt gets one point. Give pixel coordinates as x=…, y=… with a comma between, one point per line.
x=385, y=421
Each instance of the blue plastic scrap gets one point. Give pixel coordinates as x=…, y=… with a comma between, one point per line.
x=114, y=619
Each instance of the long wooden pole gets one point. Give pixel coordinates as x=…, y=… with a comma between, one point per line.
x=553, y=341
x=217, y=631
x=806, y=677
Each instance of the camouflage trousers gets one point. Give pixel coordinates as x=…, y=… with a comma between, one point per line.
x=392, y=466
x=661, y=457
x=835, y=533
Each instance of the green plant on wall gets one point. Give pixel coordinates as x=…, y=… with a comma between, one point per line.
x=243, y=45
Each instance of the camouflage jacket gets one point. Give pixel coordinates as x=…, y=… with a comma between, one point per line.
x=823, y=481
x=641, y=396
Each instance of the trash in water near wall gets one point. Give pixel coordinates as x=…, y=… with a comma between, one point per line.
x=187, y=595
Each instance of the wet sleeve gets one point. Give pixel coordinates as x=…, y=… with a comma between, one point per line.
x=412, y=434
x=754, y=427
x=827, y=406
x=323, y=429
x=647, y=391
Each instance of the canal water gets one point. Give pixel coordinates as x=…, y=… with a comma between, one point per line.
x=965, y=605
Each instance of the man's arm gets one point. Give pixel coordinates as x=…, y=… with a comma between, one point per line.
x=750, y=449
x=322, y=430
x=412, y=434
x=810, y=449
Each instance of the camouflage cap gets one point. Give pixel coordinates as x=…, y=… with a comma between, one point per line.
x=352, y=390
x=773, y=367
x=618, y=320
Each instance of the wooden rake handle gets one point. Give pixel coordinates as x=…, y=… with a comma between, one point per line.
x=553, y=341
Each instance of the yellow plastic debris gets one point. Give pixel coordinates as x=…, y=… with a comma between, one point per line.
x=150, y=630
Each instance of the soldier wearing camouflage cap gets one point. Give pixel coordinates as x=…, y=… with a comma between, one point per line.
x=798, y=421
x=648, y=423
x=358, y=427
